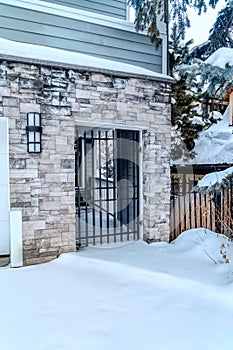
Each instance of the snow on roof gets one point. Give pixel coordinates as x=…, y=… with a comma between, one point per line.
x=215, y=180
x=12, y=49
x=221, y=57
x=215, y=145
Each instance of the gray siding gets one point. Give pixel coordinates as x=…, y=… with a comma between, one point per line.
x=113, y=8
x=40, y=28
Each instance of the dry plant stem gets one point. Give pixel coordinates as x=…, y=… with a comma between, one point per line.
x=209, y=256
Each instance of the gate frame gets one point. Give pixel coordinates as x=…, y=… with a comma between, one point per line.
x=119, y=126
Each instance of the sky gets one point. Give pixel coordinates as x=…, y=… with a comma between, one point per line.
x=201, y=25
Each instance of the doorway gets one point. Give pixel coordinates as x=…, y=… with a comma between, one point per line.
x=107, y=185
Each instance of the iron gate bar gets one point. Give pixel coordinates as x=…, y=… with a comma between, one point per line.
x=119, y=199
x=100, y=190
x=127, y=198
x=131, y=166
x=85, y=177
x=93, y=184
x=134, y=185
x=107, y=184
x=77, y=177
x=114, y=184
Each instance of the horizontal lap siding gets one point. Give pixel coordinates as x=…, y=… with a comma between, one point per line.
x=70, y=34
x=114, y=8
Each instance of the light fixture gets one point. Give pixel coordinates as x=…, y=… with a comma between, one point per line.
x=34, y=131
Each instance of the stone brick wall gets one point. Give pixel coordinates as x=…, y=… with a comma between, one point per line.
x=42, y=185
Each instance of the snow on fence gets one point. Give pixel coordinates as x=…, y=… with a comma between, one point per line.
x=212, y=210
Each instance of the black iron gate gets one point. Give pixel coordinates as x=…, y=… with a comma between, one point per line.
x=107, y=186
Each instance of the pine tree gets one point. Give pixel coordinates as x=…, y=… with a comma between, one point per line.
x=149, y=12
x=183, y=112
x=184, y=131
x=207, y=81
x=221, y=34
x=178, y=51
x=194, y=77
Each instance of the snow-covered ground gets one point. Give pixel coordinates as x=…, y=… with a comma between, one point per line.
x=134, y=297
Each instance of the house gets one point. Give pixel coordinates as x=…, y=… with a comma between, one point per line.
x=85, y=129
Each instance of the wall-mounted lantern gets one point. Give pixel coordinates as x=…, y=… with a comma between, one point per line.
x=34, y=131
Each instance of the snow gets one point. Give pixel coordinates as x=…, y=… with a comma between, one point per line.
x=216, y=115
x=215, y=145
x=221, y=57
x=47, y=54
x=173, y=101
x=215, y=179
x=138, y=296
x=197, y=120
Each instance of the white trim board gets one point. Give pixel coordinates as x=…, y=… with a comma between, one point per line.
x=16, y=238
x=4, y=188
x=109, y=126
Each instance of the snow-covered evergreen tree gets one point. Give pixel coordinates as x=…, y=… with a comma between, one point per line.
x=202, y=76
x=184, y=128
x=149, y=12
x=221, y=34
x=178, y=51
x=208, y=81
x=197, y=80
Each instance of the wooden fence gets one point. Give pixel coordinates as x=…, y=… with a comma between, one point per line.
x=209, y=210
